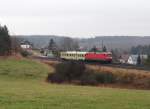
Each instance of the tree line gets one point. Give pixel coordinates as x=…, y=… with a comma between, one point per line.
x=8, y=44
x=140, y=49
x=69, y=44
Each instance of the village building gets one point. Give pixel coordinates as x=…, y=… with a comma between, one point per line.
x=123, y=59
x=133, y=59
x=26, y=45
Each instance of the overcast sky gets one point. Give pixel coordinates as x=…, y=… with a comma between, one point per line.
x=76, y=18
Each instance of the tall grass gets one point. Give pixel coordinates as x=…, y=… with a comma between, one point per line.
x=131, y=77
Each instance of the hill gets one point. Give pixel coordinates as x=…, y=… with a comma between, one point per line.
x=111, y=42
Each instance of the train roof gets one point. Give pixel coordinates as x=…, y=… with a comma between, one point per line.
x=81, y=52
x=75, y=52
x=101, y=52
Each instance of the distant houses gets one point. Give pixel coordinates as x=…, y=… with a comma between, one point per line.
x=26, y=45
x=132, y=59
x=123, y=59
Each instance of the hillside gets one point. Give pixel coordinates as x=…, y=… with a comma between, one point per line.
x=23, y=86
x=111, y=42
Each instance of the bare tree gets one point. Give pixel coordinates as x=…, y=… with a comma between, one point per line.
x=15, y=45
x=68, y=44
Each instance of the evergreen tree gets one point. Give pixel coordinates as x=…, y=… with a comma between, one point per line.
x=5, y=41
x=52, y=45
x=139, y=60
x=53, y=48
x=104, y=49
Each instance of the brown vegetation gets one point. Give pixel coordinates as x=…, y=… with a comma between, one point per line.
x=113, y=77
x=51, y=63
x=16, y=56
x=127, y=77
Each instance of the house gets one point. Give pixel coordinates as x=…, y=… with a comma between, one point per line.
x=133, y=59
x=123, y=58
x=26, y=45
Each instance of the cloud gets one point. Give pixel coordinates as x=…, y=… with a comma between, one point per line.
x=76, y=17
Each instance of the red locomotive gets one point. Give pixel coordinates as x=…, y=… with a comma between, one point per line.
x=103, y=57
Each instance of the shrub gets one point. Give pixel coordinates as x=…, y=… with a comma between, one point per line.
x=25, y=53
x=68, y=71
x=105, y=77
x=76, y=72
x=88, y=78
x=55, y=78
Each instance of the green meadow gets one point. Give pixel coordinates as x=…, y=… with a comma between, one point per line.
x=23, y=86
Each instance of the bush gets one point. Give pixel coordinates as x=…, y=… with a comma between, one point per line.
x=25, y=53
x=76, y=72
x=55, y=78
x=105, y=77
x=68, y=71
x=88, y=78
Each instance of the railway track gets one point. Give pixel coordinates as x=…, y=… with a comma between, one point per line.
x=115, y=65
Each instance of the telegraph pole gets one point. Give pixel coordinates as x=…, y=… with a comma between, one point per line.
x=102, y=45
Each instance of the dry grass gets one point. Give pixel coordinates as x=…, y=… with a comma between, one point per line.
x=51, y=63
x=16, y=56
x=119, y=70
x=127, y=77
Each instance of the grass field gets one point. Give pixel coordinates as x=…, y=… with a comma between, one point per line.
x=23, y=86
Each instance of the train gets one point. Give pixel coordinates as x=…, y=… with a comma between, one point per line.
x=103, y=57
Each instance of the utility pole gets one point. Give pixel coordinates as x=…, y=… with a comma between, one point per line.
x=102, y=45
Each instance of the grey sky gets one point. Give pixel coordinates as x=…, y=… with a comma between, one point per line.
x=76, y=18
